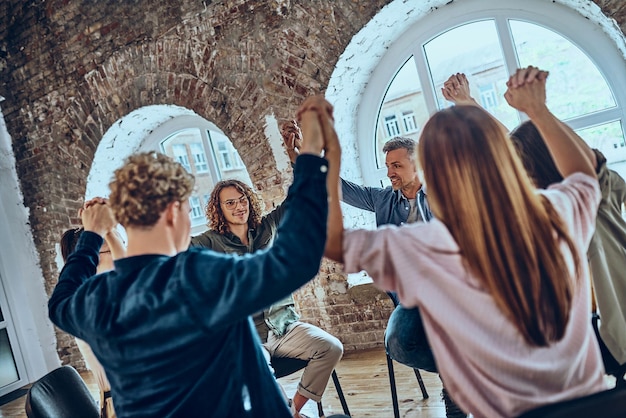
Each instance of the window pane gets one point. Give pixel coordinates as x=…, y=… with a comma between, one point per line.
x=403, y=111
x=575, y=86
x=228, y=160
x=196, y=209
x=609, y=139
x=8, y=369
x=473, y=49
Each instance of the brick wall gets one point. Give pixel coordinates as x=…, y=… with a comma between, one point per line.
x=69, y=70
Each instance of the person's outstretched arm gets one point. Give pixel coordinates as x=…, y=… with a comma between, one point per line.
x=98, y=220
x=332, y=153
x=116, y=244
x=527, y=93
x=456, y=89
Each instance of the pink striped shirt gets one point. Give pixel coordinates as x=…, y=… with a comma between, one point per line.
x=486, y=364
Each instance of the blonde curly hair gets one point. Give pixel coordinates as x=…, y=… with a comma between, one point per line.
x=143, y=187
x=213, y=210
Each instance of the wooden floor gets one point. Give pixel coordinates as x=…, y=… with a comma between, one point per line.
x=364, y=380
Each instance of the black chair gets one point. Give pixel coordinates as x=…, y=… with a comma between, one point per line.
x=284, y=366
x=61, y=393
x=392, y=376
x=607, y=404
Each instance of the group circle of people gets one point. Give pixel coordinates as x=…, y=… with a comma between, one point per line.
x=491, y=245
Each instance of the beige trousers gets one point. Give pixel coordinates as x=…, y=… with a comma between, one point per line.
x=307, y=342
x=106, y=407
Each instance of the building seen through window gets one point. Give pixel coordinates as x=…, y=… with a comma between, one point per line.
x=210, y=156
x=488, y=47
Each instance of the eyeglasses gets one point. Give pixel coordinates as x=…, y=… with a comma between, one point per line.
x=231, y=204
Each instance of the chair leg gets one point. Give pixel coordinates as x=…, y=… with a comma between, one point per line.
x=342, y=398
x=320, y=410
x=392, y=384
x=421, y=383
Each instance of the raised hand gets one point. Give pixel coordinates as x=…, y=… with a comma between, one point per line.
x=97, y=216
x=292, y=137
x=457, y=90
x=526, y=90
x=308, y=115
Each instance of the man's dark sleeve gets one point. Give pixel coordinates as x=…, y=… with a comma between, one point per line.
x=80, y=266
x=223, y=288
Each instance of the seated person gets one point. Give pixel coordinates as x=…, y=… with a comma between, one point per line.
x=111, y=249
x=607, y=247
x=172, y=326
x=404, y=202
x=236, y=225
x=500, y=274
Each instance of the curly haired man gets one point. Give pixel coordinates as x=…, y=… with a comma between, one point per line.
x=236, y=225
x=172, y=326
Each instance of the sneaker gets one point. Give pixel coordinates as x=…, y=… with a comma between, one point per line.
x=452, y=409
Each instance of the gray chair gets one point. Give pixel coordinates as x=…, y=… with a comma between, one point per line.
x=61, y=393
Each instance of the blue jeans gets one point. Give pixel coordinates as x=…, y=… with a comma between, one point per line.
x=406, y=341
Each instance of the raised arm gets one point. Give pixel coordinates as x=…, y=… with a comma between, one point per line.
x=456, y=89
x=332, y=153
x=292, y=138
x=98, y=220
x=527, y=93
x=116, y=244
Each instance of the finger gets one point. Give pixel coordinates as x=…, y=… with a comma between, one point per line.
x=531, y=74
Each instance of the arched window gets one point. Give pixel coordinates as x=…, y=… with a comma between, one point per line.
x=205, y=151
x=487, y=41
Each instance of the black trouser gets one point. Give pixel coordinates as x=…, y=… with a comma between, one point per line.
x=611, y=365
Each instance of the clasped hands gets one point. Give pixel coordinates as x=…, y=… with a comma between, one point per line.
x=97, y=216
x=312, y=132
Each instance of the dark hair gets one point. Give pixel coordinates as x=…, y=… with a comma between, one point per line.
x=69, y=240
x=213, y=210
x=535, y=155
x=401, y=142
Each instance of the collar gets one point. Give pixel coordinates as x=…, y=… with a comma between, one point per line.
x=400, y=196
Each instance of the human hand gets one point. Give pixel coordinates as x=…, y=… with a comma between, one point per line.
x=309, y=116
x=526, y=90
x=457, y=90
x=97, y=216
x=292, y=137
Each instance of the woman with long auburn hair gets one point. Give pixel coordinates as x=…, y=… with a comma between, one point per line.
x=500, y=275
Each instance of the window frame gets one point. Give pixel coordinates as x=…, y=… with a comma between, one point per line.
x=572, y=25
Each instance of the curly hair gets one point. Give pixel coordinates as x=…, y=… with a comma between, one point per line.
x=213, y=210
x=143, y=187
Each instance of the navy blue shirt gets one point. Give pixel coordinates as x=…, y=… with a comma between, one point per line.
x=174, y=334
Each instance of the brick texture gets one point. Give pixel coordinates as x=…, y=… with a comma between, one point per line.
x=69, y=70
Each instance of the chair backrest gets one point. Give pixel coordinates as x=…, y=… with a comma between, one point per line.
x=284, y=366
x=606, y=404
x=61, y=393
